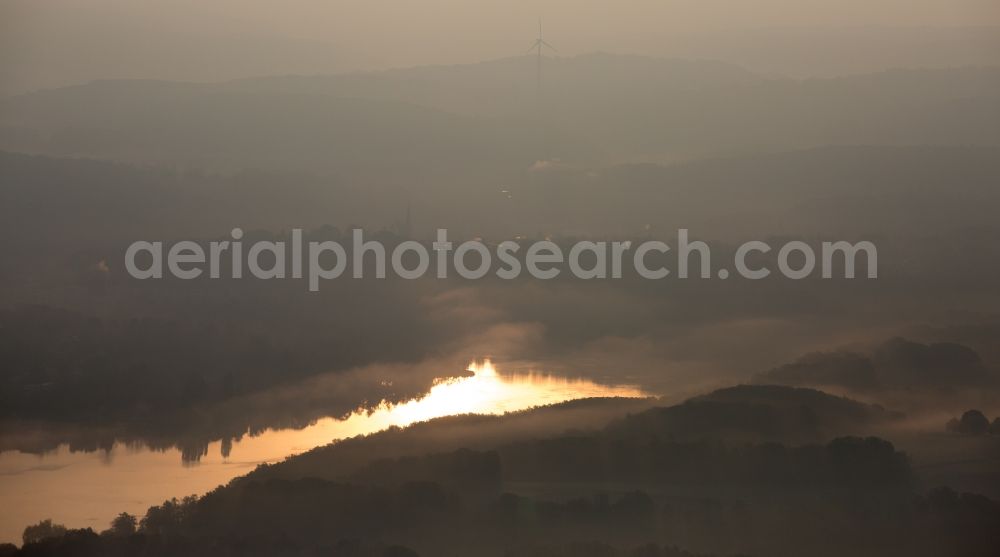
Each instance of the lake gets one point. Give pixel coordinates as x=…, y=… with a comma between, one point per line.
x=87, y=489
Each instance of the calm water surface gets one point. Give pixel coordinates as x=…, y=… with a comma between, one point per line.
x=81, y=489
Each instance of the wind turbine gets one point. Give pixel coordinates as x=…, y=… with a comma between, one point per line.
x=537, y=46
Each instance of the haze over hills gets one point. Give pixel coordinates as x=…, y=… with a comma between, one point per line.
x=486, y=117
x=668, y=475
x=249, y=406
x=86, y=212
x=44, y=47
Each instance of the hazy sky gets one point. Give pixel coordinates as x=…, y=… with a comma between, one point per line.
x=388, y=21
x=52, y=42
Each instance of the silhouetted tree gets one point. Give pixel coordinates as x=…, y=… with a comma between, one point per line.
x=973, y=422
x=43, y=530
x=124, y=525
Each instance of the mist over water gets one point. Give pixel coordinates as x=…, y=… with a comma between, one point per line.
x=87, y=488
x=239, y=410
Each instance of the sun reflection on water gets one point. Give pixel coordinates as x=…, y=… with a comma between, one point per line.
x=488, y=392
x=88, y=489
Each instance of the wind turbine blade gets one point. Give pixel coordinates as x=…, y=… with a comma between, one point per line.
x=554, y=49
x=534, y=45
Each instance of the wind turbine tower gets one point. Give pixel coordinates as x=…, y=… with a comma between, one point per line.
x=537, y=46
